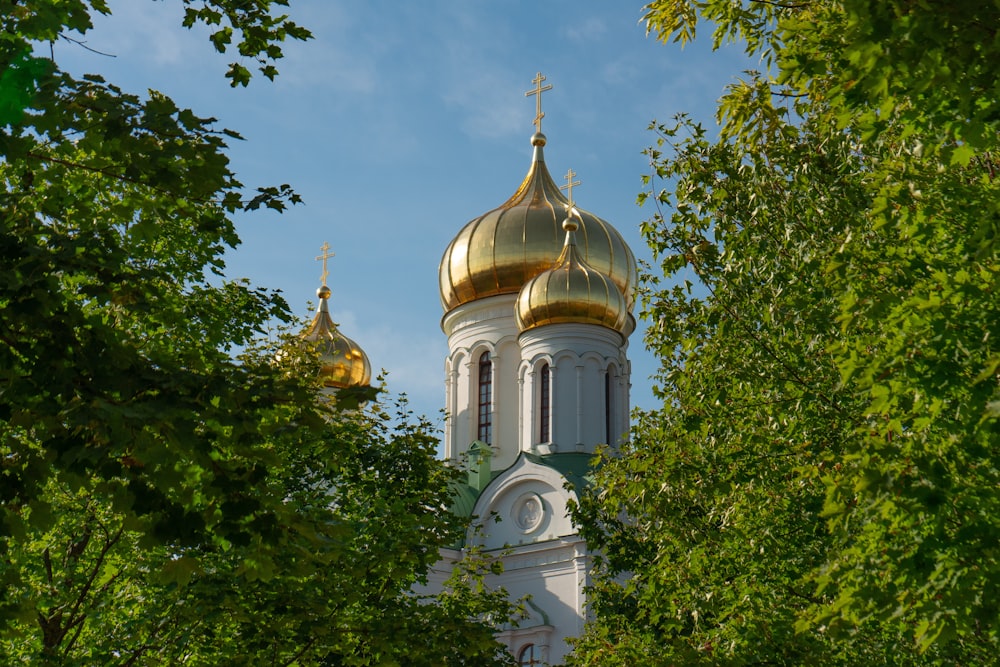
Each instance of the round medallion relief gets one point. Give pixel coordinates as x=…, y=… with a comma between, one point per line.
x=528, y=511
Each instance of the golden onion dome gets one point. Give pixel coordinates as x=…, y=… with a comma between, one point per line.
x=498, y=252
x=572, y=291
x=343, y=362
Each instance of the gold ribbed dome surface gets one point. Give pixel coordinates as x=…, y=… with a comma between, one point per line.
x=572, y=291
x=343, y=362
x=498, y=252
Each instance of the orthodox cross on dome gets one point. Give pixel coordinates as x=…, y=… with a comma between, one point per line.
x=326, y=255
x=537, y=91
x=570, y=174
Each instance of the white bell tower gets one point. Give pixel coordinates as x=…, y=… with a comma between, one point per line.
x=537, y=296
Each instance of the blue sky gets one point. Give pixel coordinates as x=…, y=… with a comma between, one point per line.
x=401, y=121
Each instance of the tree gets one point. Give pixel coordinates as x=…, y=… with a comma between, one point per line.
x=114, y=207
x=161, y=500
x=334, y=589
x=820, y=484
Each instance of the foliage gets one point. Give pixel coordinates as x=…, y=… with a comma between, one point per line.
x=335, y=587
x=162, y=501
x=115, y=347
x=820, y=485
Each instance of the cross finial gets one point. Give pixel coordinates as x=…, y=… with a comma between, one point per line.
x=537, y=91
x=326, y=255
x=570, y=174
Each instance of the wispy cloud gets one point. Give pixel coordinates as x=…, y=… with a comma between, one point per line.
x=489, y=100
x=478, y=80
x=339, y=60
x=334, y=70
x=585, y=31
x=145, y=34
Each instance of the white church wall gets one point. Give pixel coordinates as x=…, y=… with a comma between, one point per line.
x=527, y=503
x=526, y=525
x=579, y=356
x=458, y=417
x=552, y=575
x=549, y=579
x=564, y=402
x=486, y=325
x=505, y=397
x=529, y=403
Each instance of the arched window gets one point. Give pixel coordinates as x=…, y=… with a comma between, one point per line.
x=544, y=404
x=527, y=656
x=609, y=426
x=485, y=432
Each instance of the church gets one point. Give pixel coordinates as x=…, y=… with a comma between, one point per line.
x=537, y=295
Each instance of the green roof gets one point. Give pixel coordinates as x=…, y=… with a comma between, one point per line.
x=463, y=499
x=575, y=466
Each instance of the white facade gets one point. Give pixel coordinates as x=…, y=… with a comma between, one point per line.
x=587, y=388
x=522, y=509
x=533, y=386
x=484, y=326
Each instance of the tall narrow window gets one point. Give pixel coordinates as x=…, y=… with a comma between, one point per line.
x=608, y=403
x=526, y=657
x=485, y=432
x=543, y=404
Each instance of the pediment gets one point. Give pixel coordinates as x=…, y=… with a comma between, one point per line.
x=524, y=504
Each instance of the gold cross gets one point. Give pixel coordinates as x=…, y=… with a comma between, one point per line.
x=538, y=90
x=326, y=254
x=569, y=186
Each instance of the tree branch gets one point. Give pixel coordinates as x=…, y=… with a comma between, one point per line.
x=75, y=615
x=84, y=45
x=781, y=5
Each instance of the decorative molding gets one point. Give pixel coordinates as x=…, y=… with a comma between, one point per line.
x=528, y=511
x=482, y=310
x=561, y=553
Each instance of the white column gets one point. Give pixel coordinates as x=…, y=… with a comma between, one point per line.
x=609, y=408
x=449, y=406
x=525, y=422
x=553, y=408
x=579, y=408
x=623, y=386
x=471, y=400
x=494, y=397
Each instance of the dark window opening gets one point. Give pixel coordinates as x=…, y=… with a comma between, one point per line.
x=527, y=656
x=485, y=432
x=544, y=416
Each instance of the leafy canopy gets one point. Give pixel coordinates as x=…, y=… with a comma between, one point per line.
x=161, y=500
x=820, y=483
x=115, y=346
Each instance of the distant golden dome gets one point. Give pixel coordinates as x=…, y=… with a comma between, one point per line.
x=498, y=252
x=344, y=363
x=572, y=291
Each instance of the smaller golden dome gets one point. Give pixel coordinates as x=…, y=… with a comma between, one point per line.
x=344, y=363
x=571, y=291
